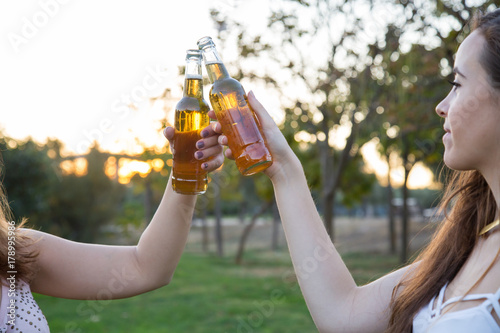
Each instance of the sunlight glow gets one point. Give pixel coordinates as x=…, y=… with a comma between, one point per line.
x=128, y=168
x=76, y=167
x=420, y=176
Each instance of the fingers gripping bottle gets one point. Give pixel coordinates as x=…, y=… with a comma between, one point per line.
x=239, y=122
x=191, y=116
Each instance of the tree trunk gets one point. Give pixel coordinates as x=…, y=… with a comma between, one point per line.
x=276, y=227
x=148, y=201
x=242, y=211
x=334, y=178
x=204, y=230
x=405, y=222
x=326, y=163
x=328, y=204
x=248, y=228
x=218, y=222
x=404, y=219
x=390, y=211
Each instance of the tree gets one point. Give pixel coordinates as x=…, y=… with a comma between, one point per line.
x=68, y=205
x=264, y=190
x=82, y=205
x=29, y=179
x=348, y=63
x=414, y=87
x=327, y=95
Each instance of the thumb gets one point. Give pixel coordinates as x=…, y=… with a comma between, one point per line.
x=264, y=117
x=169, y=133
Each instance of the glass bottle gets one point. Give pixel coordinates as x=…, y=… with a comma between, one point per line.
x=191, y=116
x=239, y=122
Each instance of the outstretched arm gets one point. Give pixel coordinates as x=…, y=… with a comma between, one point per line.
x=334, y=300
x=88, y=271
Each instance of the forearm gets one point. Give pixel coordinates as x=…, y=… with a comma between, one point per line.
x=161, y=245
x=110, y=272
x=325, y=281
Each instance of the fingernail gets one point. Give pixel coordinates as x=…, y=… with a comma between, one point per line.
x=200, y=144
x=205, y=165
x=204, y=133
x=199, y=155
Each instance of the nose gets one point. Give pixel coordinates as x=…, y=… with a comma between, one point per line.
x=442, y=108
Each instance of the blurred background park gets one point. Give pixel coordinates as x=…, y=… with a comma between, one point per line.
x=88, y=88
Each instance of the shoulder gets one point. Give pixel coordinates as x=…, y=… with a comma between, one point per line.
x=481, y=272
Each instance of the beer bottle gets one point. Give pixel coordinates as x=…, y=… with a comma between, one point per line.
x=238, y=121
x=191, y=116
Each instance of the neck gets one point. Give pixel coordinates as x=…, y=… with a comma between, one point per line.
x=492, y=177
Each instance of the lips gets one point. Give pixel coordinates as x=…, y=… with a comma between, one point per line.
x=446, y=135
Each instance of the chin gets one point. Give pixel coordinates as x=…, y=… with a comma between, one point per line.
x=456, y=163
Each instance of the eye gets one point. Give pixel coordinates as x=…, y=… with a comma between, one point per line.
x=455, y=84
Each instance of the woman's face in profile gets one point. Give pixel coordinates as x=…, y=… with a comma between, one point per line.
x=471, y=112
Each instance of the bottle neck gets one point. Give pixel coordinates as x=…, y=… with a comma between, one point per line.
x=193, y=81
x=216, y=71
x=215, y=67
x=193, y=86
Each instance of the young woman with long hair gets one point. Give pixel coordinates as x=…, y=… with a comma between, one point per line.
x=54, y=266
x=454, y=285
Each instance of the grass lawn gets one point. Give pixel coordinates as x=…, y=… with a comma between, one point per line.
x=210, y=294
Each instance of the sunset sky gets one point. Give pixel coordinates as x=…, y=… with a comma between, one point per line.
x=70, y=70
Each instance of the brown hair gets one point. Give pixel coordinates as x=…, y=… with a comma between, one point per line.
x=13, y=235
x=473, y=207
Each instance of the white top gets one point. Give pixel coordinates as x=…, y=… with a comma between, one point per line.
x=24, y=315
x=476, y=319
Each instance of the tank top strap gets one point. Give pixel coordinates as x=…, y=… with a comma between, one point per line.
x=497, y=294
x=495, y=302
x=491, y=300
x=436, y=311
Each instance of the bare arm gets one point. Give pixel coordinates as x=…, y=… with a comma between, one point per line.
x=88, y=271
x=334, y=300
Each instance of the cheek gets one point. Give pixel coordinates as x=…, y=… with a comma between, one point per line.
x=469, y=101
x=460, y=117
x=490, y=130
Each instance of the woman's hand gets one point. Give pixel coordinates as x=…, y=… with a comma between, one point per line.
x=284, y=160
x=208, y=147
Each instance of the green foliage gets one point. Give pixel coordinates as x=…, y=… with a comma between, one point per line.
x=413, y=89
x=75, y=207
x=81, y=205
x=132, y=214
x=356, y=184
x=29, y=175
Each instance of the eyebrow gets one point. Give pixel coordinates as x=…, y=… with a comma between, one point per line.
x=457, y=71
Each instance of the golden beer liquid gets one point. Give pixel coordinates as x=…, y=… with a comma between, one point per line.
x=191, y=116
x=239, y=123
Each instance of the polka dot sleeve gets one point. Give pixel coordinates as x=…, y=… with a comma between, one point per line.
x=19, y=311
